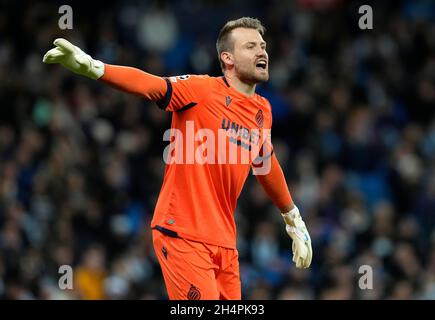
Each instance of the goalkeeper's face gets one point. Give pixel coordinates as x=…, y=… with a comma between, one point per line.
x=251, y=61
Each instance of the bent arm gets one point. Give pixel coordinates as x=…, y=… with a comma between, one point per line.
x=135, y=81
x=275, y=185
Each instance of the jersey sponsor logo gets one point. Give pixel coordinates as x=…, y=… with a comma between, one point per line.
x=231, y=144
x=194, y=293
x=240, y=135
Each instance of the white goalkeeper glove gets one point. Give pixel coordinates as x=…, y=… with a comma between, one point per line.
x=74, y=59
x=296, y=229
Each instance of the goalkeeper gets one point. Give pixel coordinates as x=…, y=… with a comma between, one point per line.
x=193, y=227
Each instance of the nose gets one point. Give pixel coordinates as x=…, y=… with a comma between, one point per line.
x=262, y=53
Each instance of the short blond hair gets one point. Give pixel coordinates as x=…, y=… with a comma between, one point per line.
x=226, y=43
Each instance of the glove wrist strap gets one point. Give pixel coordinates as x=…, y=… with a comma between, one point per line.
x=97, y=69
x=289, y=217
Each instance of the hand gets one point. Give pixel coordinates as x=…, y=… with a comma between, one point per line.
x=301, y=247
x=74, y=59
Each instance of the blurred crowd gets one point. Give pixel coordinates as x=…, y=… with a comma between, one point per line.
x=354, y=129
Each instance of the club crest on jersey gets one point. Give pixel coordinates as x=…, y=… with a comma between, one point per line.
x=228, y=101
x=259, y=119
x=194, y=293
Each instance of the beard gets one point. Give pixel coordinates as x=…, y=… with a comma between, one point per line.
x=251, y=74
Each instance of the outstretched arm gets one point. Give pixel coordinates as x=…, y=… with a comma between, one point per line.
x=127, y=79
x=275, y=185
x=135, y=81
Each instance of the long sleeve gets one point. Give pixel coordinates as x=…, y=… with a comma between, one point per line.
x=135, y=81
x=275, y=185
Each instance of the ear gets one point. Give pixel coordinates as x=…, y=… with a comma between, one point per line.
x=227, y=58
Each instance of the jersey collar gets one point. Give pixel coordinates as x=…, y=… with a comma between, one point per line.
x=236, y=93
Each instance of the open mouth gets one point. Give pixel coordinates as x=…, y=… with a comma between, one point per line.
x=261, y=65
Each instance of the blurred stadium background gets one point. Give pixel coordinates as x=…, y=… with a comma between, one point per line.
x=354, y=128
